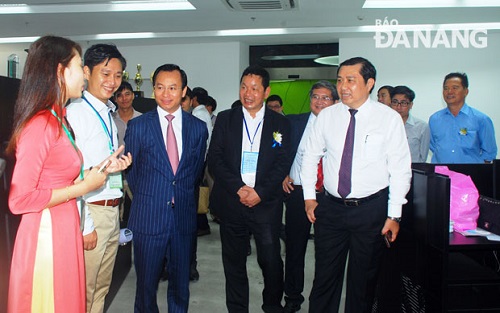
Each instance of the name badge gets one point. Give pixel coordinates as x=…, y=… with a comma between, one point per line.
x=115, y=180
x=249, y=162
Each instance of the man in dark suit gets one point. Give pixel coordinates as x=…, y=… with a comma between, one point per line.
x=297, y=226
x=248, y=157
x=162, y=179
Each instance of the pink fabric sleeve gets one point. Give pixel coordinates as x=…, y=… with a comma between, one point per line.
x=33, y=148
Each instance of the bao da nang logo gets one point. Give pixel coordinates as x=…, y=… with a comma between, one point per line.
x=456, y=38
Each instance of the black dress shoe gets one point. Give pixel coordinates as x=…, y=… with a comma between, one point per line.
x=291, y=307
x=194, y=275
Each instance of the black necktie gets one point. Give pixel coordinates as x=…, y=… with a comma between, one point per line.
x=345, y=171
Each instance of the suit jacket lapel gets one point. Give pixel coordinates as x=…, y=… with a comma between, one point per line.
x=186, y=137
x=267, y=134
x=303, y=122
x=158, y=138
x=237, y=135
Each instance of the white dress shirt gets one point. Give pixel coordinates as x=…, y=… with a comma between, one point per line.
x=255, y=126
x=381, y=156
x=297, y=161
x=176, y=124
x=121, y=125
x=418, y=134
x=202, y=113
x=94, y=142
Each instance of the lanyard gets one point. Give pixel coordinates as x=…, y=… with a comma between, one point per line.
x=248, y=133
x=104, y=126
x=72, y=142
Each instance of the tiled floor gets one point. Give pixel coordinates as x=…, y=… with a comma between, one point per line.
x=207, y=295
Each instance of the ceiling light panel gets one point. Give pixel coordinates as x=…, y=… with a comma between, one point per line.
x=113, y=6
x=407, y=4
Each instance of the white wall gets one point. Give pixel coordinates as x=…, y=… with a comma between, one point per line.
x=423, y=70
x=214, y=66
x=218, y=66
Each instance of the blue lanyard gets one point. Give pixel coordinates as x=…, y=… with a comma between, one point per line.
x=248, y=133
x=72, y=142
x=104, y=126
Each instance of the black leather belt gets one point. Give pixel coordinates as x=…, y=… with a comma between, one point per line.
x=110, y=202
x=355, y=201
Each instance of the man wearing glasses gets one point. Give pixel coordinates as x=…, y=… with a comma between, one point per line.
x=297, y=226
x=275, y=103
x=417, y=131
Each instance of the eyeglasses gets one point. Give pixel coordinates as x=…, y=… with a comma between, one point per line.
x=403, y=103
x=322, y=98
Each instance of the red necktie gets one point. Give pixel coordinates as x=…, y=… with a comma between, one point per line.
x=319, y=181
x=172, y=152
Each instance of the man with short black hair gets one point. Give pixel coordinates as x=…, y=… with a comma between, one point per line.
x=275, y=103
x=460, y=133
x=169, y=146
x=297, y=227
x=211, y=107
x=384, y=94
x=96, y=137
x=187, y=101
x=248, y=158
x=200, y=98
x=367, y=172
x=417, y=131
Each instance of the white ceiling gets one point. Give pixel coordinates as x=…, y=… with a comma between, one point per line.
x=314, y=21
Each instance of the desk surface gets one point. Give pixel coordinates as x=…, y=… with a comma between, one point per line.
x=460, y=242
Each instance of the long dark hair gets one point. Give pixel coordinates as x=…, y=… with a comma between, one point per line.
x=42, y=86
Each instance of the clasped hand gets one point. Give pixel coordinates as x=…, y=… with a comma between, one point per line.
x=248, y=196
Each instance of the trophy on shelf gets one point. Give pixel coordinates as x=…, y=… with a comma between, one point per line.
x=138, y=82
x=125, y=76
x=138, y=78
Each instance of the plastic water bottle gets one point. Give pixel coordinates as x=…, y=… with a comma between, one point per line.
x=12, y=65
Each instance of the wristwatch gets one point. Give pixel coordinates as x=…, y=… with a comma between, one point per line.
x=395, y=219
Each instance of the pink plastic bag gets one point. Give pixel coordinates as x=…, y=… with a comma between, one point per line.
x=464, y=208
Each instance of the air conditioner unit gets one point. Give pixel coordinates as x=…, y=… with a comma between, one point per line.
x=260, y=5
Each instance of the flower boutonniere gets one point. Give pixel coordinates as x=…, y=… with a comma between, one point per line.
x=277, y=138
x=463, y=131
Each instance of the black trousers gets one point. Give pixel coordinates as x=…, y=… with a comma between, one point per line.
x=235, y=236
x=340, y=230
x=297, y=230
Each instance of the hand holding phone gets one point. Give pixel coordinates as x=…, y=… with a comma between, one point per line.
x=104, y=166
x=387, y=238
